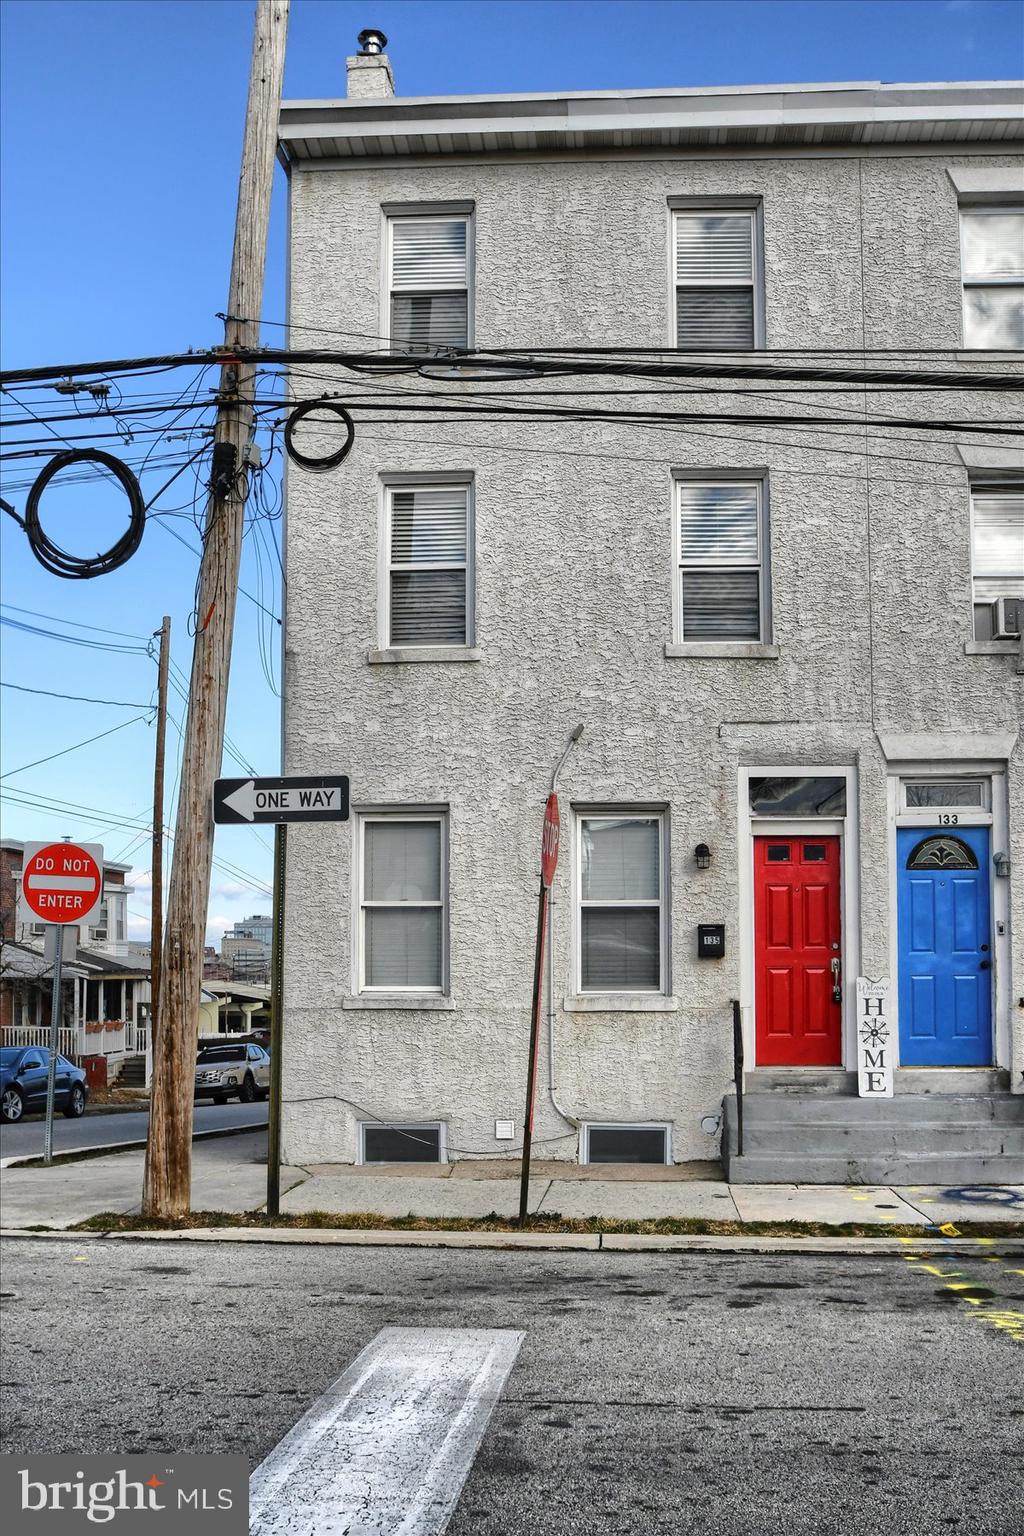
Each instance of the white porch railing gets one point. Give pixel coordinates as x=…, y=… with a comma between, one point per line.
x=18, y=1035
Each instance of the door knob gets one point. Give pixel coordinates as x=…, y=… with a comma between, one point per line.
x=985, y=965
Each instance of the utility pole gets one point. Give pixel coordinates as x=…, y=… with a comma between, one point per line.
x=168, y=1176
x=156, y=926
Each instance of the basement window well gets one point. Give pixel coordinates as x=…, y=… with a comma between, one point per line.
x=406, y=1143
x=625, y=1144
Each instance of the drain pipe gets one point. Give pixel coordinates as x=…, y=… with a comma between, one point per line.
x=569, y=1119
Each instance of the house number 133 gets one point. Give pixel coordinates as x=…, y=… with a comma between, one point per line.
x=948, y=821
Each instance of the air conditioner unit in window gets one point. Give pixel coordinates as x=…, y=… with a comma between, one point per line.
x=1007, y=617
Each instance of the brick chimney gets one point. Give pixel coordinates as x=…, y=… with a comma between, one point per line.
x=369, y=70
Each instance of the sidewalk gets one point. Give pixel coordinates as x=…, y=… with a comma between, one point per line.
x=229, y=1175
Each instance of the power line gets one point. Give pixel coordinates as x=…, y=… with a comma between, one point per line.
x=73, y=623
x=64, y=752
x=76, y=698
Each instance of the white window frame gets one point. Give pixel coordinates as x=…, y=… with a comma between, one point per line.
x=625, y=1125
x=948, y=815
x=440, y=1126
x=713, y=207
x=393, y=214
x=979, y=486
x=390, y=483
x=398, y=814
x=1008, y=205
x=759, y=479
x=622, y=813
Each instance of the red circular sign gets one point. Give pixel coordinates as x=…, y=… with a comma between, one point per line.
x=62, y=883
x=549, y=841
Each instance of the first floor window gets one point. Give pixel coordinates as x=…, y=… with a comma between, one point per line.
x=997, y=558
x=621, y=906
x=428, y=537
x=403, y=902
x=720, y=533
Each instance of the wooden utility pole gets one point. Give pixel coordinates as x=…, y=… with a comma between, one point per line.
x=168, y=1176
x=156, y=865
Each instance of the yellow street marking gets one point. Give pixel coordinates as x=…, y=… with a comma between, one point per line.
x=942, y=1273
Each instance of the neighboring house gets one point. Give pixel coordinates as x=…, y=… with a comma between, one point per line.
x=105, y=1002
x=796, y=652
x=232, y=1008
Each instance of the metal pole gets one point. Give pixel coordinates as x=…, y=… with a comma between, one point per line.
x=531, y=1078
x=51, y=1070
x=276, y=1023
x=156, y=923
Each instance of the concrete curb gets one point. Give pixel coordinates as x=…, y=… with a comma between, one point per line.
x=586, y=1241
x=71, y=1154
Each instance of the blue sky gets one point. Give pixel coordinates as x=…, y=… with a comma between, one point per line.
x=121, y=133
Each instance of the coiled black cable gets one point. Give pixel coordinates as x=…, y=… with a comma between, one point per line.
x=80, y=567
x=329, y=460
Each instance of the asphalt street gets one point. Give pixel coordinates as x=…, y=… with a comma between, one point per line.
x=26, y=1138
x=712, y=1395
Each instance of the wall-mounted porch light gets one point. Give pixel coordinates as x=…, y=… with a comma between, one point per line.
x=702, y=856
x=1002, y=864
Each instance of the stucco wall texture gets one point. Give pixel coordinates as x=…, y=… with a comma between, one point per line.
x=870, y=598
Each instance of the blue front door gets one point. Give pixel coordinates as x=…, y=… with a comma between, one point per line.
x=945, y=947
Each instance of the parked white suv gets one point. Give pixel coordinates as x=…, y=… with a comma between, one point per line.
x=240, y=1071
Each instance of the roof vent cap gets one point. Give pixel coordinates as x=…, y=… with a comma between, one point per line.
x=371, y=40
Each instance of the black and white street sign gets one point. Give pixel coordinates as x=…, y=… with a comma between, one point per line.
x=244, y=802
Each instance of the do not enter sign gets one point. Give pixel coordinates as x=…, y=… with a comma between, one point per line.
x=61, y=882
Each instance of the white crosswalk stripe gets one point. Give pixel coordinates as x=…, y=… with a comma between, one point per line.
x=386, y=1450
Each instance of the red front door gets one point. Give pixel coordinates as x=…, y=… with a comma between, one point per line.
x=797, y=937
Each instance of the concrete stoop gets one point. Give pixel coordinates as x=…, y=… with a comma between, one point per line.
x=924, y=1138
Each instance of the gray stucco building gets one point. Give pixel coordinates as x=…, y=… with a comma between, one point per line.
x=788, y=623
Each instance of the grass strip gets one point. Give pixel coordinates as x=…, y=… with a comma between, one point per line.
x=663, y=1226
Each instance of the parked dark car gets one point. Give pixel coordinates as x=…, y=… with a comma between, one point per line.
x=232, y=1071
x=23, y=1071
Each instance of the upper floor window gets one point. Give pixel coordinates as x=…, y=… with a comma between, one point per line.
x=715, y=264
x=429, y=259
x=997, y=560
x=722, y=570
x=992, y=256
x=622, y=906
x=429, y=544
x=403, y=903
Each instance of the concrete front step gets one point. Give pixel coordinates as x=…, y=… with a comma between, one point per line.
x=823, y=1138
x=942, y=1168
x=906, y=1109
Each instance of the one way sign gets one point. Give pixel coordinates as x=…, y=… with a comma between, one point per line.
x=242, y=802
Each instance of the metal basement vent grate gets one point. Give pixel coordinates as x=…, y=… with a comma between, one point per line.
x=401, y=1143
x=627, y=1144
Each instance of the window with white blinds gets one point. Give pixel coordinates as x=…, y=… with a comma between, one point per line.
x=621, y=903
x=429, y=565
x=715, y=265
x=429, y=259
x=997, y=550
x=403, y=903
x=992, y=259
x=721, y=567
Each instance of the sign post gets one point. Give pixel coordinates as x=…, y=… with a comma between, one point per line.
x=61, y=885
x=550, y=838
x=244, y=802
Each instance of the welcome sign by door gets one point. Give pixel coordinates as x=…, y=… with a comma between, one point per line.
x=874, y=1038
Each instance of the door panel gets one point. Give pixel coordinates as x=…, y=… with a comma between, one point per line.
x=797, y=935
x=945, y=976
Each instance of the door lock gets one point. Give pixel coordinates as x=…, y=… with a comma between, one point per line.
x=985, y=965
x=837, y=991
